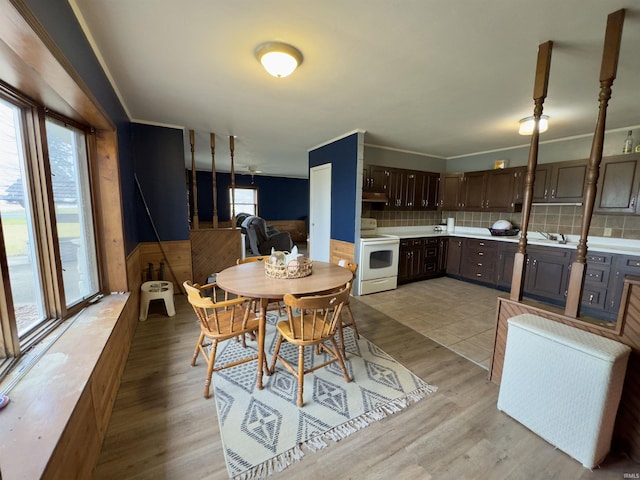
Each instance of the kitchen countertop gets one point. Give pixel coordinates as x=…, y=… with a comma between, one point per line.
x=596, y=244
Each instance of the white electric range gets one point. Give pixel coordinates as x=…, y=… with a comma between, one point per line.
x=378, y=259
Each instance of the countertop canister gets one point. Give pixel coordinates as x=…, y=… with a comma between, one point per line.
x=450, y=224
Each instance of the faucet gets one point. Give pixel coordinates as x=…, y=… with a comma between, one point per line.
x=549, y=236
x=564, y=239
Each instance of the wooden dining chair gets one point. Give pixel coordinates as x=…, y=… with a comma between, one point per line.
x=314, y=325
x=219, y=321
x=351, y=322
x=273, y=302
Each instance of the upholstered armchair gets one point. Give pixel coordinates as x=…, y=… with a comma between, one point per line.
x=261, y=239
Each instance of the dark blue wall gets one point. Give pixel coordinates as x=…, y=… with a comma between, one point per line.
x=278, y=198
x=159, y=166
x=156, y=154
x=60, y=22
x=343, y=157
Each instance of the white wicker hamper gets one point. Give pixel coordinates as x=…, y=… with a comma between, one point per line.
x=564, y=384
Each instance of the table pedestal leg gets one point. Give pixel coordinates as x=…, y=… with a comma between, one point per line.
x=262, y=330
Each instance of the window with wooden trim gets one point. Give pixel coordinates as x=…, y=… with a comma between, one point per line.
x=47, y=236
x=245, y=200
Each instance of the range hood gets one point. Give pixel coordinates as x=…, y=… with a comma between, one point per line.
x=375, y=197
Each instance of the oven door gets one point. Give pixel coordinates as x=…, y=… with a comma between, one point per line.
x=379, y=258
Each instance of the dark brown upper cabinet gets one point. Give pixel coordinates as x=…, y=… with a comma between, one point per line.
x=618, y=185
x=451, y=191
x=561, y=182
x=376, y=179
x=427, y=186
x=487, y=190
x=405, y=189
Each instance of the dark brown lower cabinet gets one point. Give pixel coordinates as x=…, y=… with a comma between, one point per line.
x=421, y=258
x=547, y=269
x=506, y=254
x=547, y=272
x=479, y=259
x=454, y=255
x=410, y=264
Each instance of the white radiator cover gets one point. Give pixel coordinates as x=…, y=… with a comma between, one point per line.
x=564, y=384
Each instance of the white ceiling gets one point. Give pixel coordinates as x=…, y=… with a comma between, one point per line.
x=441, y=78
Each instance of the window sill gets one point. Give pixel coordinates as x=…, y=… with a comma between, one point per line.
x=65, y=399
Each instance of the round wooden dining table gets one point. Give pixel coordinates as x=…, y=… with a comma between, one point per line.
x=249, y=280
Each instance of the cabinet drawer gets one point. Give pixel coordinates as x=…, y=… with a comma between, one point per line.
x=601, y=258
x=431, y=252
x=483, y=275
x=430, y=267
x=478, y=255
x=597, y=275
x=594, y=297
x=631, y=264
x=476, y=244
x=410, y=242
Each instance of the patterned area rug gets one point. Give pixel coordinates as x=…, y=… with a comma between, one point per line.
x=264, y=431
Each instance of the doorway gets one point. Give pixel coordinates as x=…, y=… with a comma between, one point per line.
x=320, y=212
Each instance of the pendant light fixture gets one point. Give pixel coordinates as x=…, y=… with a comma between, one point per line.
x=279, y=59
x=527, y=124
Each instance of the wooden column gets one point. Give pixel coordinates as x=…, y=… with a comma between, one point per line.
x=233, y=183
x=610, y=54
x=539, y=94
x=194, y=182
x=213, y=180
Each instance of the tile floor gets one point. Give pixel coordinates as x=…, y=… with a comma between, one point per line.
x=455, y=314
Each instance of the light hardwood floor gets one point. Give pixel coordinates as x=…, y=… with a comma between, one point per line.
x=162, y=427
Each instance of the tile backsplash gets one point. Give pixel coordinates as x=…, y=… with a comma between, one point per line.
x=547, y=218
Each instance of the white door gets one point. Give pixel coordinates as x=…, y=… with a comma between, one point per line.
x=320, y=212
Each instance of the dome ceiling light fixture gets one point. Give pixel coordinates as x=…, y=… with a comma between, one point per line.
x=278, y=58
x=527, y=124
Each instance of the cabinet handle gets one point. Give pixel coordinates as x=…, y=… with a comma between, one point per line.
x=553, y=193
x=480, y=253
x=633, y=201
x=481, y=244
x=566, y=293
x=478, y=274
x=460, y=243
x=535, y=262
x=479, y=264
x=591, y=299
x=545, y=193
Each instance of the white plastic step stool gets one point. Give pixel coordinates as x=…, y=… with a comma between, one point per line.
x=154, y=290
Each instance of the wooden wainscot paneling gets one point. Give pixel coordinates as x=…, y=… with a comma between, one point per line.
x=60, y=409
x=79, y=443
x=109, y=211
x=626, y=434
x=213, y=250
x=135, y=274
x=105, y=380
x=178, y=259
x=296, y=228
x=340, y=249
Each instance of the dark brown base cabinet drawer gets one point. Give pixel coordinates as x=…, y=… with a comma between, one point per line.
x=547, y=272
x=420, y=258
x=596, y=291
x=479, y=258
x=594, y=297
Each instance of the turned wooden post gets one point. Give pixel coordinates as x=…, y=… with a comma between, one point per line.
x=214, y=186
x=194, y=182
x=233, y=183
x=610, y=54
x=539, y=94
